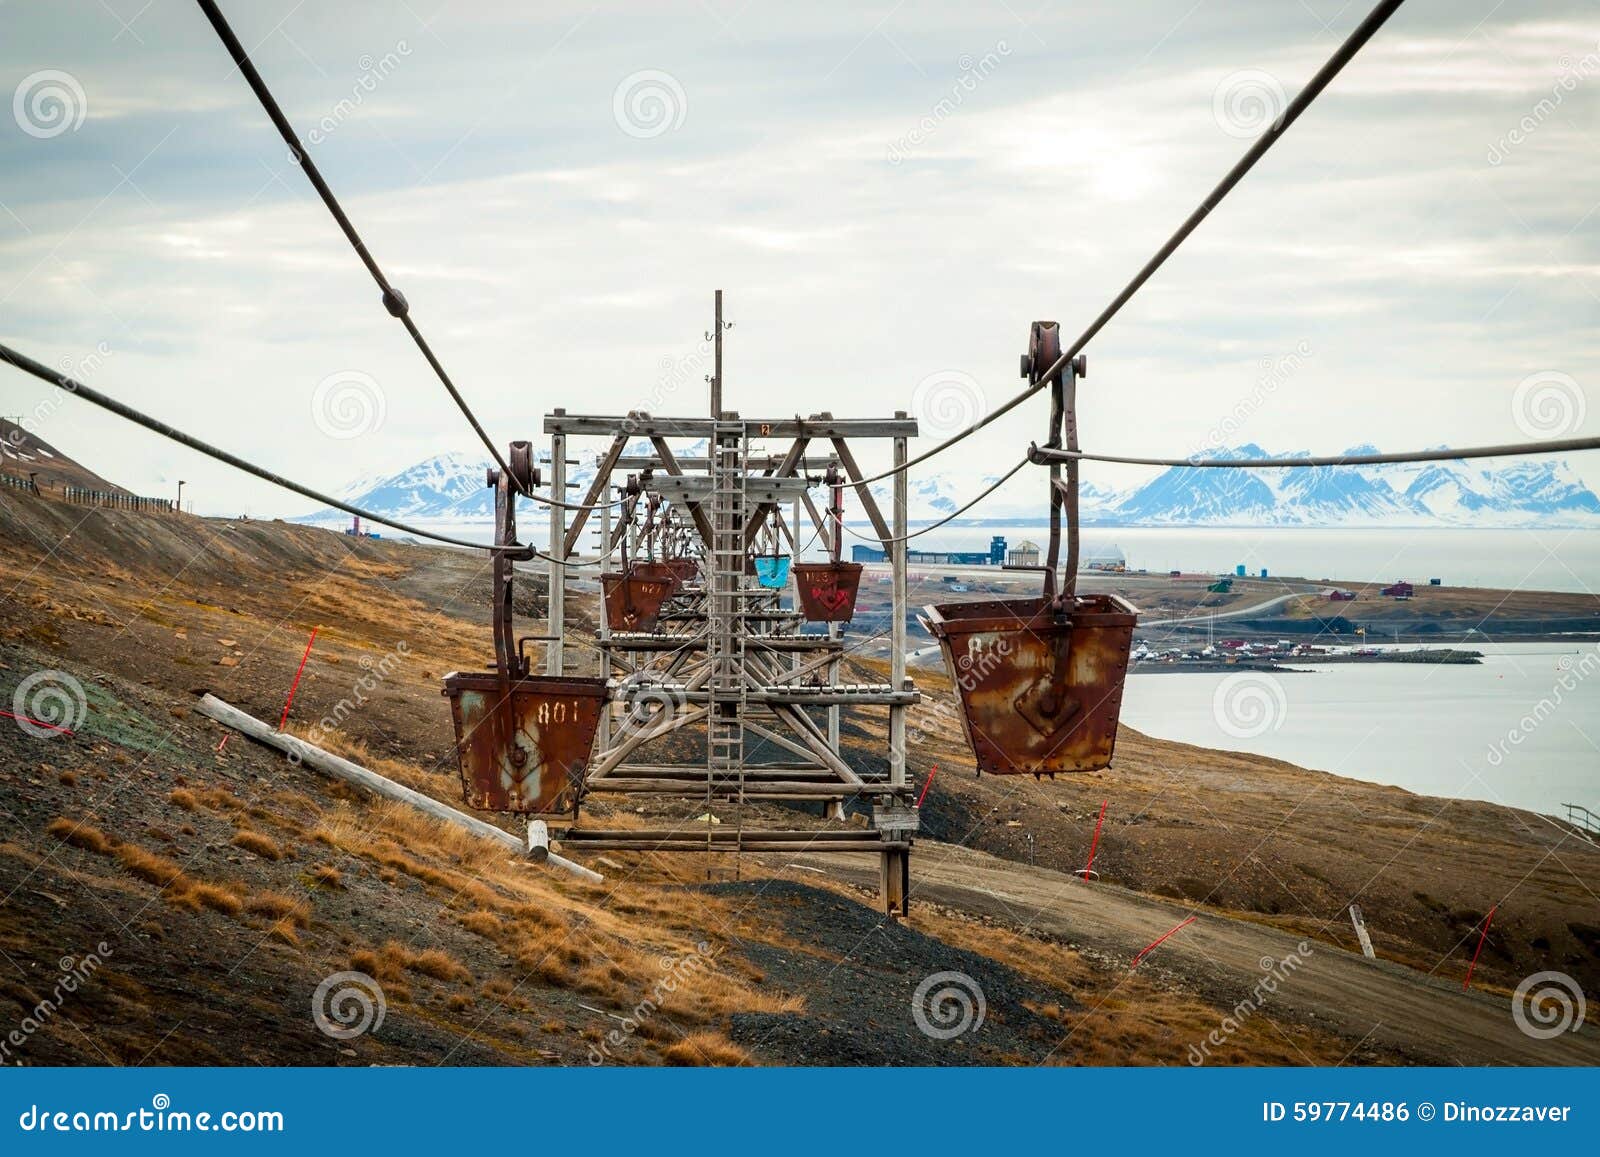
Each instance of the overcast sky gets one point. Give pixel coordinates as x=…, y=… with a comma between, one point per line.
x=888, y=193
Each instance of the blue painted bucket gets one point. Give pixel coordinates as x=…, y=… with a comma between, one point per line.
x=772, y=571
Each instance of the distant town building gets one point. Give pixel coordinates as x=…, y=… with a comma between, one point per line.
x=995, y=556
x=1025, y=553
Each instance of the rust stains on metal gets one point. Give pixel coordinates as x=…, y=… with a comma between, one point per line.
x=539, y=768
x=827, y=590
x=1041, y=690
x=633, y=602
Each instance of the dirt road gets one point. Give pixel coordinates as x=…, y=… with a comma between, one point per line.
x=1428, y=1019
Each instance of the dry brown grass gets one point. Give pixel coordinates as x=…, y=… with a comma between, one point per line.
x=183, y=798
x=218, y=899
x=148, y=866
x=276, y=906
x=440, y=965
x=263, y=846
x=80, y=835
x=705, y=1048
x=326, y=876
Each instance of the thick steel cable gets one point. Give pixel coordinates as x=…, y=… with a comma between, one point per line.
x=45, y=373
x=1043, y=455
x=1302, y=101
x=393, y=300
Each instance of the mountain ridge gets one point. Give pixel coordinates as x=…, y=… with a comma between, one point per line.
x=449, y=488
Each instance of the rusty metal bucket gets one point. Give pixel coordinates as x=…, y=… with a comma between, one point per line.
x=665, y=572
x=633, y=602
x=685, y=570
x=828, y=590
x=1038, y=695
x=537, y=765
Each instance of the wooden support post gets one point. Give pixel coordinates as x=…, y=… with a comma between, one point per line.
x=1361, y=932
x=894, y=879
x=538, y=841
x=605, y=626
x=556, y=597
x=896, y=864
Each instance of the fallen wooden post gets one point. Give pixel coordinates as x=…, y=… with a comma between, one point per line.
x=332, y=765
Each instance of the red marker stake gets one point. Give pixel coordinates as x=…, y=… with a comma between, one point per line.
x=37, y=723
x=1095, y=843
x=1487, y=920
x=1146, y=950
x=295, y=686
x=927, y=783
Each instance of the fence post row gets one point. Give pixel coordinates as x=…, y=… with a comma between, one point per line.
x=82, y=496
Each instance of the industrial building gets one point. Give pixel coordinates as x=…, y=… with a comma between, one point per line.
x=995, y=556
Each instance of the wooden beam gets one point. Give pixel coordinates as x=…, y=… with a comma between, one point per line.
x=863, y=492
x=784, y=469
x=649, y=426
x=597, y=490
x=669, y=462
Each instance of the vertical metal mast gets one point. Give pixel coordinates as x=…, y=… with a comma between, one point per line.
x=725, y=627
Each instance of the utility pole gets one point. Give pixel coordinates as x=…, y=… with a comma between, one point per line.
x=716, y=373
x=179, y=508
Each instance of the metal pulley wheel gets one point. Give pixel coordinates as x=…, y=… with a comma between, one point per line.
x=1044, y=347
x=524, y=474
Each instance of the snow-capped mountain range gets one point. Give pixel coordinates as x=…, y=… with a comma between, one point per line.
x=449, y=489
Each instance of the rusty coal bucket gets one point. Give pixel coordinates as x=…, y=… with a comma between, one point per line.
x=1040, y=692
x=633, y=601
x=665, y=572
x=827, y=590
x=532, y=757
x=685, y=570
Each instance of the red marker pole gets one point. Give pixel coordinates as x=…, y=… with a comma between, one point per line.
x=926, y=784
x=37, y=723
x=1487, y=920
x=1095, y=843
x=295, y=686
x=1146, y=950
